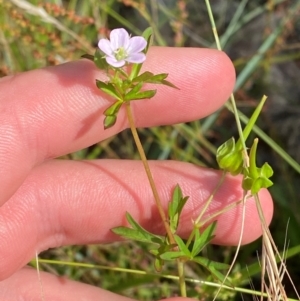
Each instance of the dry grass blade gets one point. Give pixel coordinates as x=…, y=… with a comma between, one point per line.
x=39, y=277
x=272, y=274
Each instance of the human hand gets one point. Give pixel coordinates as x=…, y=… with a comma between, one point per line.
x=48, y=203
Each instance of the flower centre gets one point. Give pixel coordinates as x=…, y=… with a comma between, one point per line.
x=120, y=54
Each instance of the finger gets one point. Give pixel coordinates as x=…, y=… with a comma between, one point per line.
x=54, y=111
x=25, y=285
x=65, y=202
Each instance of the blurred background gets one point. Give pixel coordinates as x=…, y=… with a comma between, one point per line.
x=263, y=40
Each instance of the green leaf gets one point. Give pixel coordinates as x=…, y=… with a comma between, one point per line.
x=171, y=255
x=158, y=264
x=141, y=95
x=150, y=78
x=136, y=88
x=99, y=60
x=142, y=77
x=213, y=268
x=158, y=78
x=169, y=84
x=109, y=89
x=203, y=239
x=175, y=208
x=138, y=232
x=182, y=247
x=113, y=109
x=207, y=263
x=109, y=121
x=133, y=234
x=88, y=56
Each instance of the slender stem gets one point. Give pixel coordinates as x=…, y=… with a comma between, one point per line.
x=232, y=100
x=182, y=285
x=148, y=172
x=180, y=264
x=197, y=224
x=199, y=218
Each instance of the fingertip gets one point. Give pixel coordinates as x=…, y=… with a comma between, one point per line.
x=205, y=77
x=231, y=224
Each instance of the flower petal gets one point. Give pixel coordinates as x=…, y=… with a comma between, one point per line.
x=113, y=62
x=136, y=58
x=105, y=46
x=119, y=38
x=136, y=44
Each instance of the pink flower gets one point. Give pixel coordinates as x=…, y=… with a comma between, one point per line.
x=121, y=48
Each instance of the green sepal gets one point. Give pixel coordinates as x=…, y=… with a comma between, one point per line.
x=137, y=232
x=109, y=121
x=148, y=35
x=113, y=109
x=88, y=56
x=261, y=181
x=99, y=60
x=256, y=178
x=136, y=68
x=175, y=208
x=229, y=157
x=109, y=89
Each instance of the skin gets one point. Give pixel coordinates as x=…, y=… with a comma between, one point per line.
x=47, y=203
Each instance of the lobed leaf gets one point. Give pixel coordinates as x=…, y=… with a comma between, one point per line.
x=141, y=95
x=175, y=208
x=203, y=239
x=143, y=232
x=143, y=77
x=109, y=89
x=113, y=109
x=109, y=121
x=133, y=234
x=213, y=268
